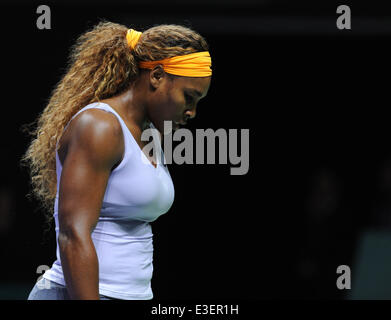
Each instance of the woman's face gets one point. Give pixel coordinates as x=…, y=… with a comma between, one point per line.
x=175, y=99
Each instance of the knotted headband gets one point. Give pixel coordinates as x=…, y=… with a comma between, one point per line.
x=196, y=64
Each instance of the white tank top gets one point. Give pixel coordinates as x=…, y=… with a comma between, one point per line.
x=136, y=194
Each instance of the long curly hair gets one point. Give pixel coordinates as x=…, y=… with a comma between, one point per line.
x=100, y=65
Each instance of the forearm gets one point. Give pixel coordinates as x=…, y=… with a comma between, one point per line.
x=80, y=266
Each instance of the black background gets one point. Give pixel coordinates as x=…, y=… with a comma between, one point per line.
x=314, y=99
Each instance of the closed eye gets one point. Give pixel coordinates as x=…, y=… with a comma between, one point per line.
x=189, y=98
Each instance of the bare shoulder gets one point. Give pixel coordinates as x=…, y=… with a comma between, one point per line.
x=98, y=133
x=96, y=124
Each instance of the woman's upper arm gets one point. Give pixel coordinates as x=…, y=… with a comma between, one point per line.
x=95, y=145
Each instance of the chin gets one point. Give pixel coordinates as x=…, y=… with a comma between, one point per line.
x=170, y=124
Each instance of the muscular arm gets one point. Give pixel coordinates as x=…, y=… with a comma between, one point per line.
x=95, y=145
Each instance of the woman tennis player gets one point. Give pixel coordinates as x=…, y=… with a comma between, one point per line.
x=87, y=159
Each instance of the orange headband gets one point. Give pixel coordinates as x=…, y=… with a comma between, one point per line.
x=196, y=64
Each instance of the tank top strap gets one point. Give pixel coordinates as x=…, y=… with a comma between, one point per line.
x=132, y=140
x=106, y=107
x=129, y=140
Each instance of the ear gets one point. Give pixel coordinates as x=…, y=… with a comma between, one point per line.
x=156, y=76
